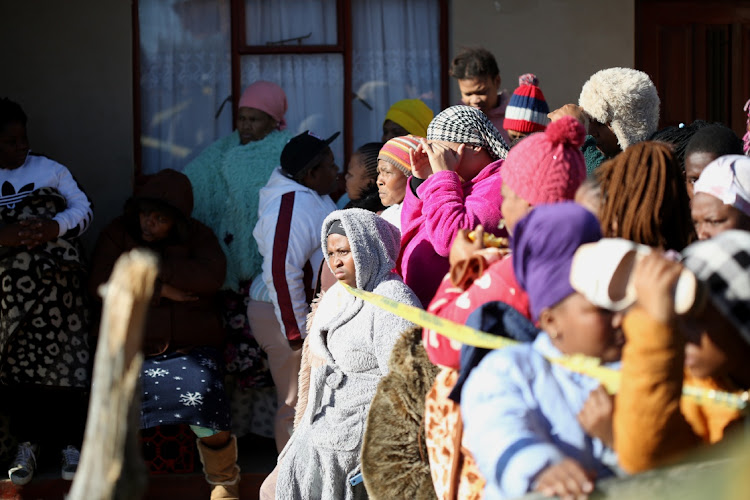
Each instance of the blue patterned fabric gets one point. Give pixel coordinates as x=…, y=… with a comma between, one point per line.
x=181, y=388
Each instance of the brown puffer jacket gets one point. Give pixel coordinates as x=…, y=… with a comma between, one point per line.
x=194, y=264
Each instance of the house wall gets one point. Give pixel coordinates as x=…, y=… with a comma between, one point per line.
x=562, y=42
x=69, y=65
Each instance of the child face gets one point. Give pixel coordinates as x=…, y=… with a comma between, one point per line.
x=323, y=179
x=694, y=165
x=155, y=226
x=515, y=135
x=391, y=184
x=254, y=124
x=577, y=326
x=356, y=177
x=711, y=216
x=479, y=92
x=340, y=259
x=14, y=145
x=714, y=347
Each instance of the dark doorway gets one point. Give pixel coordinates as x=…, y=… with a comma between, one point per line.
x=698, y=54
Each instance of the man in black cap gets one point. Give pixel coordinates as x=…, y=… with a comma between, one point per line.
x=291, y=210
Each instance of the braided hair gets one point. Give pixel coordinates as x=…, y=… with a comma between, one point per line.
x=678, y=138
x=369, y=153
x=644, y=198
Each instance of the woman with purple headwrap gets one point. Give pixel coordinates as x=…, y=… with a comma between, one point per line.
x=528, y=422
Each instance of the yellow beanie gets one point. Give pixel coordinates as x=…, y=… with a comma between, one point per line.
x=412, y=114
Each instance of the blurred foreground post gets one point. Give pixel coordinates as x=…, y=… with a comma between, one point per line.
x=111, y=466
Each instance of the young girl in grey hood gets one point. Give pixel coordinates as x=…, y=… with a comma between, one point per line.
x=345, y=355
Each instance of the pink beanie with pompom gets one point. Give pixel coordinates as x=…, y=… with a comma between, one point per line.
x=547, y=167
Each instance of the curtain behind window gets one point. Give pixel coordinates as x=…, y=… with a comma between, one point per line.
x=186, y=68
x=396, y=55
x=185, y=77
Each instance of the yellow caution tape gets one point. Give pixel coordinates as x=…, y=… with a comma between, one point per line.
x=578, y=363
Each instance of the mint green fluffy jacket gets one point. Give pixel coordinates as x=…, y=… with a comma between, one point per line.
x=226, y=179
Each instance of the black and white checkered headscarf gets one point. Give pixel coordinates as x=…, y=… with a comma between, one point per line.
x=467, y=125
x=723, y=262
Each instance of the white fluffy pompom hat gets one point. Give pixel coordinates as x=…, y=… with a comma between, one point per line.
x=624, y=98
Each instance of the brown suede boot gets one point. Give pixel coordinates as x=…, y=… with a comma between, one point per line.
x=221, y=470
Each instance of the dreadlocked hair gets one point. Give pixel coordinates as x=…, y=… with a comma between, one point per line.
x=644, y=197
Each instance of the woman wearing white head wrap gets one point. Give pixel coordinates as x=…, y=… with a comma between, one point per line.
x=722, y=197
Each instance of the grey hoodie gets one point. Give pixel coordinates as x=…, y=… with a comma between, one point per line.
x=351, y=342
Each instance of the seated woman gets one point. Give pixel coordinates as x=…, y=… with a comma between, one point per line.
x=394, y=168
x=182, y=378
x=527, y=421
x=722, y=197
x=344, y=357
x=44, y=311
x=455, y=185
x=226, y=178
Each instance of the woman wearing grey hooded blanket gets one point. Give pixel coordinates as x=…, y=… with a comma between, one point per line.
x=344, y=357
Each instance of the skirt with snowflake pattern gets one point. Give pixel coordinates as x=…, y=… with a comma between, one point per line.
x=181, y=388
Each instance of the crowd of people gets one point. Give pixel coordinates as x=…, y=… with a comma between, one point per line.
x=585, y=230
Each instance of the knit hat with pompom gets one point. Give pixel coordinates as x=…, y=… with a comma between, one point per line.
x=527, y=110
x=547, y=167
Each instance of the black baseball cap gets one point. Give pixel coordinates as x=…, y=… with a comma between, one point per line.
x=303, y=152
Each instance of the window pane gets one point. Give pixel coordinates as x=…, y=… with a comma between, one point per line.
x=396, y=55
x=279, y=22
x=314, y=86
x=185, y=77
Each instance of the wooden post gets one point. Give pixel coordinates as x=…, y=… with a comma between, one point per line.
x=111, y=466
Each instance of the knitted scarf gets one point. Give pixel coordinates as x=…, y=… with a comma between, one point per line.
x=226, y=179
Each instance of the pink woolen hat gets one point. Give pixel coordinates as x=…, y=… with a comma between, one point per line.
x=267, y=97
x=547, y=167
x=396, y=152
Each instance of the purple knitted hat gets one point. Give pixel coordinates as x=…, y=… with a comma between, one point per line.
x=543, y=245
x=548, y=166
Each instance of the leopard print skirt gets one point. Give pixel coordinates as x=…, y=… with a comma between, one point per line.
x=44, y=307
x=455, y=475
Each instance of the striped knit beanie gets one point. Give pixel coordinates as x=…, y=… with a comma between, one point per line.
x=547, y=167
x=396, y=152
x=527, y=110
x=467, y=125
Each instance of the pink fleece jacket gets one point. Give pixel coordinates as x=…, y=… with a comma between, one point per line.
x=430, y=222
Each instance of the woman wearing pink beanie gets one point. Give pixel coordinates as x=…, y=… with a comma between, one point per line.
x=545, y=167
x=226, y=178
